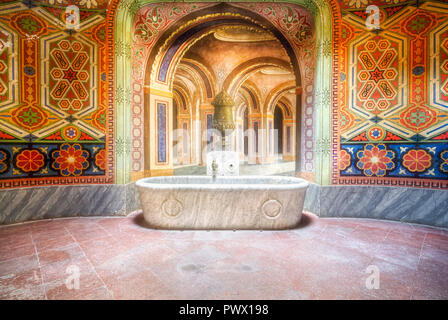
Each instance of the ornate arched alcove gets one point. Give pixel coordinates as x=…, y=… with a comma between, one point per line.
x=160, y=36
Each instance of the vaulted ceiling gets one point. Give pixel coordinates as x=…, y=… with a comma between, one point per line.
x=248, y=63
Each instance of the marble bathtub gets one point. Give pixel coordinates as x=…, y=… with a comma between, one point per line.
x=241, y=202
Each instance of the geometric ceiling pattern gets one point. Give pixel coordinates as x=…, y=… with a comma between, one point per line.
x=53, y=98
x=393, y=117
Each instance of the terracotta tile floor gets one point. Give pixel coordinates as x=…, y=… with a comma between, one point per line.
x=120, y=258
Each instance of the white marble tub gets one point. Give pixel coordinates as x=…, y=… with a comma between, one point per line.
x=241, y=202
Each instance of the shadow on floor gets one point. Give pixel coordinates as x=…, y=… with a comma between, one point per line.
x=139, y=220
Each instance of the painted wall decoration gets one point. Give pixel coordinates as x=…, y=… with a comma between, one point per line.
x=54, y=110
x=389, y=101
x=393, y=115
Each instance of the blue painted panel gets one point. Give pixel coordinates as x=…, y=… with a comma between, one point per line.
x=161, y=128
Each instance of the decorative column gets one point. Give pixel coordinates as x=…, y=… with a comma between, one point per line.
x=255, y=126
x=195, y=134
x=239, y=132
x=206, y=134
x=183, y=139
x=289, y=127
x=270, y=139
x=297, y=132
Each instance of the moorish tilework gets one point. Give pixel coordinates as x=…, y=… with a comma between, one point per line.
x=54, y=108
x=389, y=99
x=393, y=106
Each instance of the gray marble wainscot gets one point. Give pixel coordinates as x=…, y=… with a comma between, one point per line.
x=413, y=205
x=312, y=199
x=132, y=198
x=424, y=206
x=18, y=205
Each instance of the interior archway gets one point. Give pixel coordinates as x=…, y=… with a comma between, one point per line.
x=253, y=68
x=232, y=50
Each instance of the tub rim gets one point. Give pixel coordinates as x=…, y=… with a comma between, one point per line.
x=296, y=183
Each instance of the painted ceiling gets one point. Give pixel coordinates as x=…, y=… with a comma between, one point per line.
x=82, y=4
x=103, y=4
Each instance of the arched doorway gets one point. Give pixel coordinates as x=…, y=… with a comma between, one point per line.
x=320, y=75
x=173, y=50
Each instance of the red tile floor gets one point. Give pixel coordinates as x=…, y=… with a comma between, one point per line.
x=120, y=258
